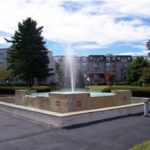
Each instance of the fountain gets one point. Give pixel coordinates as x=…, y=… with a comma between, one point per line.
x=72, y=100
x=70, y=67
x=84, y=106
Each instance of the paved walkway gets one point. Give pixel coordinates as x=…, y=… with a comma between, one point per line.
x=20, y=134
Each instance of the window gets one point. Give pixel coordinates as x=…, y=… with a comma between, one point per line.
x=124, y=59
x=113, y=58
x=97, y=59
x=107, y=64
x=95, y=65
x=107, y=58
x=101, y=58
x=98, y=70
x=84, y=59
x=1, y=62
x=84, y=64
x=129, y=58
x=118, y=58
x=91, y=58
x=84, y=75
x=125, y=65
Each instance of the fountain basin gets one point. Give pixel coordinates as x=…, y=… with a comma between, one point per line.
x=64, y=102
x=76, y=101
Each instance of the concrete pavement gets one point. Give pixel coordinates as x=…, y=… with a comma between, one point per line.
x=120, y=134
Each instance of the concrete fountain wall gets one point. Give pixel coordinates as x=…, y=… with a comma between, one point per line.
x=70, y=118
x=71, y=102
x=23, y=97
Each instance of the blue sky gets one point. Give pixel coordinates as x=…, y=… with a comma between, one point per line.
x=89, y=27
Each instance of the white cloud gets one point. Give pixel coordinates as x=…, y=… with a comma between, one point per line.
x=142, y=53
x=87, y=46
x=2, y=40
x=93, y=22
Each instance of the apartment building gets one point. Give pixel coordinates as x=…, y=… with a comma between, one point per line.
x=99, y=69
x=96, y=69
x=83, y=67
x=102, y=67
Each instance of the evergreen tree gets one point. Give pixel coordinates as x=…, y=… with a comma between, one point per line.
x=27, y=57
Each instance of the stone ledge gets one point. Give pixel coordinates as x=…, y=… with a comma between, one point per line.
x=72, y=118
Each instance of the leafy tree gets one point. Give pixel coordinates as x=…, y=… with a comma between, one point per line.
x=135, y=69
x=145, y=78
x=27, y=57
x=109, y=78
x=4, y=74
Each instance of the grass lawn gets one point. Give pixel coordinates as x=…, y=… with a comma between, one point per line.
x=143, y=146
x=97, y=88
x=137, y=91
x=118, y=87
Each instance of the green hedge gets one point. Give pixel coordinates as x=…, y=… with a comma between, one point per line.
x=137, y=91
x=41, y=88
x=12, y=89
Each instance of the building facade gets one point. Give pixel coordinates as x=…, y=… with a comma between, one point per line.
x=83, y=67
x=3, y=56
x=49, y=80
x=92, y=69
x=102, y=68
x=52, y=66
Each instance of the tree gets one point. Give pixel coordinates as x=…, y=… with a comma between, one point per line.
x=145, y=78
x=109, y=77
x=27, y=57
x=135, y=70
x=4, y=74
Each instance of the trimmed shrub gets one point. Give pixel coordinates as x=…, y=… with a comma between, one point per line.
x=41, y=88
x=10, y=90
x=136, y=90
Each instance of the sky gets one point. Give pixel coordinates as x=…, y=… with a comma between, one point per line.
x=89, y=27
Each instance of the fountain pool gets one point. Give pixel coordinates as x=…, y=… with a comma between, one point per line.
x=92, y=94
x=64, y=102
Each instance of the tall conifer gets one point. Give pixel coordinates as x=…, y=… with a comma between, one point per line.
x=27, y=57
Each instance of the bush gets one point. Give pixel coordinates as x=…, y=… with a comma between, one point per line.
x=41, y=88
x=11, y=89
x=136, y=90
